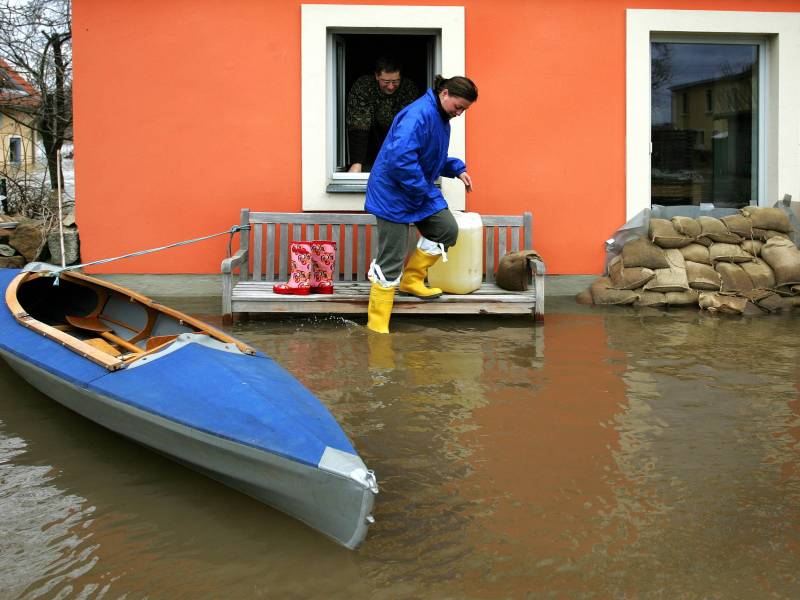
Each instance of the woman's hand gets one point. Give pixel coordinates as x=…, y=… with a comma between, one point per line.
x=467, y=180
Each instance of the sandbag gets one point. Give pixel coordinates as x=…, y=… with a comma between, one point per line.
x=767, y=218
x=702, y=276
x=759, y=234
x=734, y=278
x=643, y=253
x=664, y=235
x=687, y=298
x=768, y=301
x=696, y=253
x=672, y=279
x=514, y=270
x=765, y=234
x=739, y=224
x=760, y=273
x=604, y=293
x=632, y=278
x=752, y=247
x=784, y=258
x=584, y=297
x=721, y=252
x=771, y=233
x=716, y=231
x=651, y=300
x=687, y=226
x=703, y=241
x=721, y=303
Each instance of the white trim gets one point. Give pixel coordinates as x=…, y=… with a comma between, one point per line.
x=780, y=150
x=317, y=87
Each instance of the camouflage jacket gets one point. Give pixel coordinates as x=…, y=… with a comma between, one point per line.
x=370, y=113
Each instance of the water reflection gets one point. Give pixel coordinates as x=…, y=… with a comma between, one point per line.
x=606, y=454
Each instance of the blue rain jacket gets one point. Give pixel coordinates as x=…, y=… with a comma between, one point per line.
x=400, y=187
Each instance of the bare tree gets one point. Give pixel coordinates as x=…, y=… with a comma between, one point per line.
x=660, y=65
x=36, y=41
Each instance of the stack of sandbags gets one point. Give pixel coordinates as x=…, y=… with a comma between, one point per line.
x=719, y=264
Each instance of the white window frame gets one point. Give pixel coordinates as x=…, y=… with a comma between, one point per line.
x=779, y=153
x=318, y=21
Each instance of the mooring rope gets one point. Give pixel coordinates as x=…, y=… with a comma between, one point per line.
x=230, y=232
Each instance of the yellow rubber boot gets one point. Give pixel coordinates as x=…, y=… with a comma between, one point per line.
x=381, y=300
x=413, y=280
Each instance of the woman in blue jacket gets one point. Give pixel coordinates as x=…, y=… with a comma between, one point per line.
x=401, y=190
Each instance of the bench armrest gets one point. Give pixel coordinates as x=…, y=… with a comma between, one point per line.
x=234, y=261
x=538, y=267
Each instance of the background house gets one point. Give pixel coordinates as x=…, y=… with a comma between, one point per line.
x=18, y=100
x=187, y=111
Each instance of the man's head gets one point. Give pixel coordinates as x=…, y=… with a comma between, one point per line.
x=387, y=74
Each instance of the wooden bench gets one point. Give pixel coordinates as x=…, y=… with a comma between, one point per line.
x=262, y=260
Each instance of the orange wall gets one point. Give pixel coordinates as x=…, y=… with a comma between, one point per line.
x=188, y=110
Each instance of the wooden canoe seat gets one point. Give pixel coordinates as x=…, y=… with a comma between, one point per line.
x=103, y=345
x=97, y=326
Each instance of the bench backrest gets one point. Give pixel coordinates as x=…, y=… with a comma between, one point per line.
x=356, y=237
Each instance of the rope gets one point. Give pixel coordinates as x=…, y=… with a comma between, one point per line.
x=235, y=229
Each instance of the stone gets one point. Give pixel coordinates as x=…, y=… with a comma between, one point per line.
x=28, y=239
x=12, y=262
x=70, y=246
x=6, y=250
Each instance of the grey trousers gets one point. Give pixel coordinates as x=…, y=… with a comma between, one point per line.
x=440, y=227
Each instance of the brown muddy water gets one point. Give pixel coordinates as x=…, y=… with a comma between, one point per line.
x=604, y=454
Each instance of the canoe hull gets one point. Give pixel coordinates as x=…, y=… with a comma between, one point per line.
x=337, y=506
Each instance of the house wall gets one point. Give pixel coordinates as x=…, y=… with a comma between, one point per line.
x=188, y=110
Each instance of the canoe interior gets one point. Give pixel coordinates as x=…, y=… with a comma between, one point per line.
x=104, y=322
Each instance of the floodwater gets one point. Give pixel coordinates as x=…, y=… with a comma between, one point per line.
x=605, y=454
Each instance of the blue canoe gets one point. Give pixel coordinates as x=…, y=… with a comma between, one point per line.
x=187, y=390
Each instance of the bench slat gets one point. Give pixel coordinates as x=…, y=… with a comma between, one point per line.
x=284, y=253
x=269, y=265
x=347, y=270
x=489, y=268
x=258, y=233
x=361, y=257
x=313, y=218
x=335, y=236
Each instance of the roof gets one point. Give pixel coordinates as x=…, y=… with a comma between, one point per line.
x=15, y=91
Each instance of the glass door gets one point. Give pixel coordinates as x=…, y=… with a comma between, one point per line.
x=705, y=122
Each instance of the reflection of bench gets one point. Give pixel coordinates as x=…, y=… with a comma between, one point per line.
x=262, y=260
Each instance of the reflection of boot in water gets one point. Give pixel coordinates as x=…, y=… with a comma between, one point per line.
x=381, y=353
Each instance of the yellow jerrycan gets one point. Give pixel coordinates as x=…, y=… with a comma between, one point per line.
x=463, y=271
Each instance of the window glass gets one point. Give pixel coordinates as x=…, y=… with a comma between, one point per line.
x=15, y=150
x=704, y=123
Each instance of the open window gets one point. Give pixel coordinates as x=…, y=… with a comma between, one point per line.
x=339, y=44
x=355, y=54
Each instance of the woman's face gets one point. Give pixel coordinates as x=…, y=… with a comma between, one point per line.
x=453, y=105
